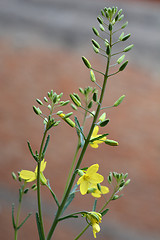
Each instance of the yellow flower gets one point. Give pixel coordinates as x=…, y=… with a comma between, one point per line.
x=94, y=218
x=90, y=178
x=97, y=193
x=30, y=176
x=95, y=143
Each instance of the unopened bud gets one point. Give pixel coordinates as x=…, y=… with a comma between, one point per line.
x=95, y=31
x=102, y=117
x=14, y=176
x=119, y=101
x=37, y=110
x=126, y=37
x=121, y=59
x=75, y=100
x=86, y=62
x=123, y=66
x=124, y=25
x=80, y=173
x=39, y=101
x=128, y=48
x=96, y=44
x=111, y=142
x=92, y=76
x=73, y=106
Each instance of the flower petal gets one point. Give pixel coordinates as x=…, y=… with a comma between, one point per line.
x=84, y=187
x=95, y=131
x=29, y=176
x=93, y=144
x=43, y=165
x=96, y=229
x=96, y=178
x=104, y=189
x=92, y=169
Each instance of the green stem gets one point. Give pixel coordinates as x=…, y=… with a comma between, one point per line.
x=72, y=166
x=65, y=197
x=81, y=233
x=38, y=185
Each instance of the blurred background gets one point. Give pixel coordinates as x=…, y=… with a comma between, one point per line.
x=41, y=44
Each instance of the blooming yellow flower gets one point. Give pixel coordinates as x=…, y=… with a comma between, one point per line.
x=94, y=218
x=95, y=134
x=30, y=176
x=97, y=193
x=89, y=178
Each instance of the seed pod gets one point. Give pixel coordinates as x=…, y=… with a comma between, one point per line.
x=86, y=62
x=119, y=101
x=124, y=25
x=128, y=48
x=96, y=44
x=75, y=100
x=121, y=59
x=123, y=66
x=95, y=31
x=92, y=76
x=126, y=37
x=111, y=142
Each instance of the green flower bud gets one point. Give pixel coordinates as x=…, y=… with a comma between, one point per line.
x=96, y=50
x=119, y=101
x=14, y=176
x=102, y=12
x=99, y=186
x=128, y=48
x=119, y=12
x=92, y=76
x=56, y=123
x=45, y=99
x=90, y=104
x=81, y=90
x=37, y=110
x=59, y=112
x=68, y=115
x=100, y=20
x=115, y=197
x=123, y=66
x=70, y=122
x=64, y=103
x=101, y=27
x=33, y=186
x=121, y=36
x=95, y=31
x=80, y=173
x=86, y=62
x=121, y=17
x=127, y=182
x=73, y=106
x=96, y=44
x=111, y=142
x=124, y=25
x=39, y=101
x=75, y=100
x=77, y=96
x=121, y=59
x=26, y=190
x=104, y=123
x=110, y=27
x=95, y=97
x=125, y=37
x=108, y=49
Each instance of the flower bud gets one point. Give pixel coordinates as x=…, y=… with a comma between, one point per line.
x=14, y=176
x=96, y=50
x=119, y=101
x=73, y=106
x=125, y=37
x=86, y=62
x=45, y=99
x=104, y=123
x=121, y=17
x=108, y=49
x=101, y=27
x=100, y=20
x=37, y=110
x=75, y=100
x=110, y=27
x=111, y=142
x=127, y=182
x=96, y=44
x=39, y=101
x=128, y=48
x=68, y=115
x=95, y=31
x=115, y=197
x=95, y=97
x=123, y=66
x=80, y=173
x=26, y=190
x=92, y=76
x=121, y=59
x=90, y=104
x=124, y=25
